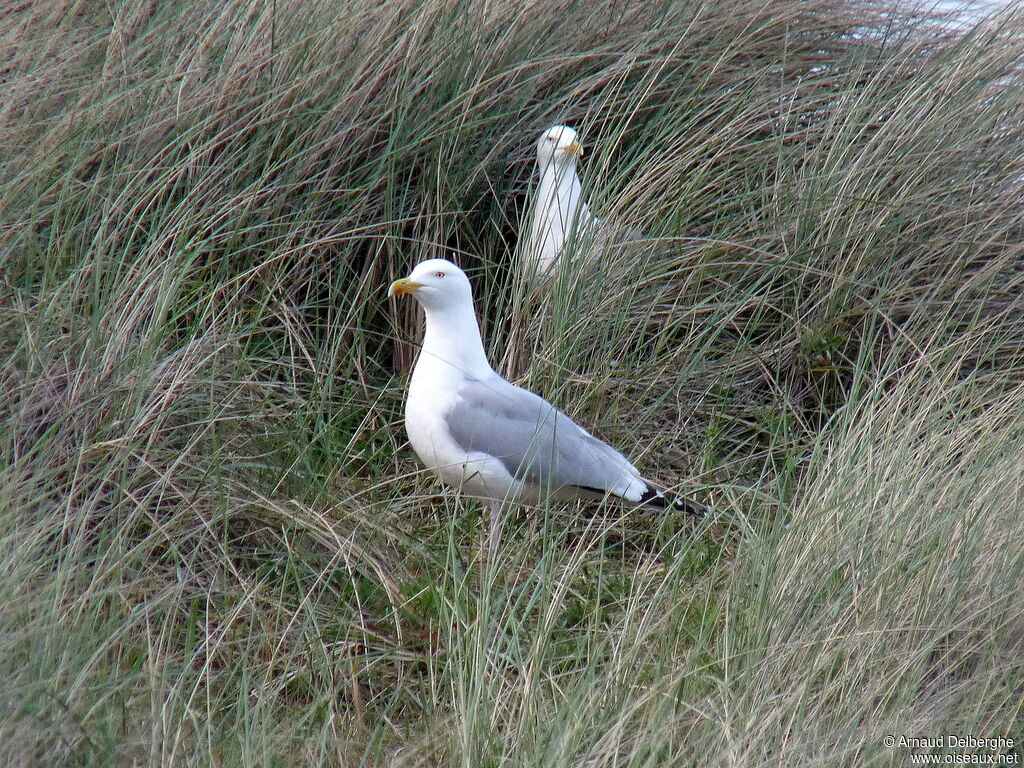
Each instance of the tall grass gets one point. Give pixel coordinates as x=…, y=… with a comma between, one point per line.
x=216, y=549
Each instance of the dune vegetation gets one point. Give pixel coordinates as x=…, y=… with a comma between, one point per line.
x=217, y=547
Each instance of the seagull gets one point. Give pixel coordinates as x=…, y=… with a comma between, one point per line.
x=560, y=214
x=495, y=441
x=559, y=211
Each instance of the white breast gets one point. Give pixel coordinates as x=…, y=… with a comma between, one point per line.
x=559, y=215
x=432, y=393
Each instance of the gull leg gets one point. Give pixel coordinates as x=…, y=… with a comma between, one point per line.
x=495, y=534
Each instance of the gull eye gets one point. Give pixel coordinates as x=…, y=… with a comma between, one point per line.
x=439, y=274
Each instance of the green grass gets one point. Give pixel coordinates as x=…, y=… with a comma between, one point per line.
x=215, y=546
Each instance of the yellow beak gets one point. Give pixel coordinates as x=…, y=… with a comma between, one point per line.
x=575, y=149
x=403, y=287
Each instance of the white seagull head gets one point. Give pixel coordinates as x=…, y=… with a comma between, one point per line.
x=559, y=144
x=436, y=284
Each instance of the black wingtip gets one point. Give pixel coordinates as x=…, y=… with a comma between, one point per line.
x=661, y=500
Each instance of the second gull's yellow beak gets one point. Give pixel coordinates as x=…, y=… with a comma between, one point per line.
x=575, y=149
x=403, y=287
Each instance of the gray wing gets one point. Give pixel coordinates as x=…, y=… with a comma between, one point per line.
x=610, y=235
x=534, y=440
x=607, y=237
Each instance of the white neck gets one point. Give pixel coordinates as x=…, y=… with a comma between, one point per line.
x=452, y=347
x=560, y=190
